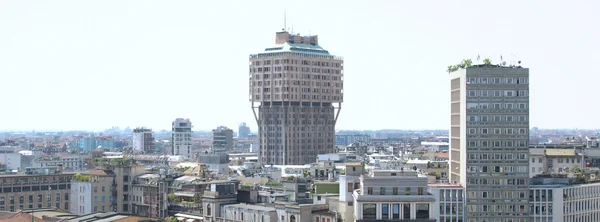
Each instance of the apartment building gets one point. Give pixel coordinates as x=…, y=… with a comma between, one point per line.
x=181, y=138
x=222, y=139
x=296, y=91
x=489, y=136
x=143, y=141
x=93, y=191
x=449, y=203
x=149, y=195
x=393, y=195
x=36, y=188
x=553, y=198
x=554, y=159
x=68, y=163
x=243, y=131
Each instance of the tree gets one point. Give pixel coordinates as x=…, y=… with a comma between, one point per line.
x=173, y=219
x=173, y=198
x=487, y=61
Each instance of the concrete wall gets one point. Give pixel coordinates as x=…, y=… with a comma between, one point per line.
x=81, y=198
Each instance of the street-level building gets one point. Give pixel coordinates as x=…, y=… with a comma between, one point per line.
x=393, y=195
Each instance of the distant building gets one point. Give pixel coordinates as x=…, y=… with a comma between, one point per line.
x=244, y=131
x=16, y=161
x=222, y=139
x=216, y=162
x=143, y=141
x=181, y=138
x=68, y=163
x=344, y=140
x=89, y=143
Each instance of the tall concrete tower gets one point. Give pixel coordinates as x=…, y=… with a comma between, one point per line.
x=489, y=134
x=181, y=137
x=296, y=91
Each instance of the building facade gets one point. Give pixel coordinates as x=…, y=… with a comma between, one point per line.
x=92, y=192
x=557, y=199
x=243, y=131
x=143, y=141
x=393, y=195
x=181, y=138
x=38, y=188
x=489, y=140
x=449, y=202
x=293, y=88
x=222, y=139
x=344, y=140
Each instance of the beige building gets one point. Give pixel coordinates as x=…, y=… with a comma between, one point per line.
x=39, y=188
x=295, y=89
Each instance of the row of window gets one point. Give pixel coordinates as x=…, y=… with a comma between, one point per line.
x=504, y=118
x=407, y=191
x=497, y=169
x=506, y=80
x=397, y=210
x=496, y=143
x=497, y=181
x=497, y=93
x=32, y=206
x=496, y=156
x=497, y=106
x=293, y=61
x=498, y=131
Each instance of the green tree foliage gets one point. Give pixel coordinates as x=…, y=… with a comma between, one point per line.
x=173, y=198
x=82, y=178
x=487, y=61
x=465, y=63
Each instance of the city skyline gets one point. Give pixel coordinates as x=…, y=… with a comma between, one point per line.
x=86, y=66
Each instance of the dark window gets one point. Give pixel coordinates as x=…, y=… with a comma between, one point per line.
x=406, y=211
x=369, y=211
x=422, y=211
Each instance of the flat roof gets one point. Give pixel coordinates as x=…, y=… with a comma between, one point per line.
x=560, y=152
x=253, y=207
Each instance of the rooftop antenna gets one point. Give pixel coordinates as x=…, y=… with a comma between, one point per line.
x=284, y=20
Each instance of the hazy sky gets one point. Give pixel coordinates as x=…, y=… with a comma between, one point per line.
x=95, y=64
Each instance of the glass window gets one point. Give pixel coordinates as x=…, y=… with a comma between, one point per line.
x=369, y=211
x=382, y=191
x=385, y=211
x=422, y=211
x=396, y=211
x=406, y=213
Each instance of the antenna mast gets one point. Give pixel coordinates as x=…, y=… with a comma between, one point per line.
x=284, y=21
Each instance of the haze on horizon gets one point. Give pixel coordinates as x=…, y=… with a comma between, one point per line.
x=90, y=65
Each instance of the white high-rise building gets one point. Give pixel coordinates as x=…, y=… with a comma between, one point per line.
x=182, y=137
x=143, y=141
x=489, y=141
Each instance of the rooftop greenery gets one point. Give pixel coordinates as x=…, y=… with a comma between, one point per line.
x=82, y=178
